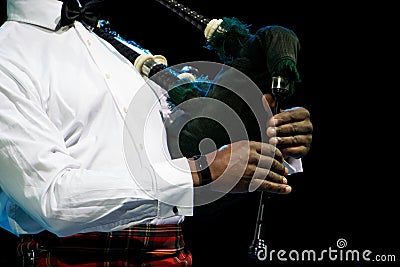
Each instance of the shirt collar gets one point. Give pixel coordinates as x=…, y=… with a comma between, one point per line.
x=44, y=13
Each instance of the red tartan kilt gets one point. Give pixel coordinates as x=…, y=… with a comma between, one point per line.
x=142, y=245
x=179, y=259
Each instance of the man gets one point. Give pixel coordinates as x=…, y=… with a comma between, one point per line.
x=66, y=184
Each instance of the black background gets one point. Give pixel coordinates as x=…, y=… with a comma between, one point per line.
x=348, y=69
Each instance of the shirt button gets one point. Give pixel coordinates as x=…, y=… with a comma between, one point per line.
x=108, y=75
x=125, y=109
x=175, y=209
x=88, y=42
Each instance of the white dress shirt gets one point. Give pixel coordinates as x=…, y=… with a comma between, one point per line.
x=67, y=164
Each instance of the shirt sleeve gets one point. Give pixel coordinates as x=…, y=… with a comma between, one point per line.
x=50, y=187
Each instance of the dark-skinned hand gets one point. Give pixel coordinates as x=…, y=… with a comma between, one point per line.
x=290, y=130
x=249, y=164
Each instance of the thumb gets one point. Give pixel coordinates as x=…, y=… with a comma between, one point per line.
x=270, y=100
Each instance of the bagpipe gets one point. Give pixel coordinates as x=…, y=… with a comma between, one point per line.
x=268, y=57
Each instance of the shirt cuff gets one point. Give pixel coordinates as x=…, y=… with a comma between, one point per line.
x=174, y=188
x=294, y=165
